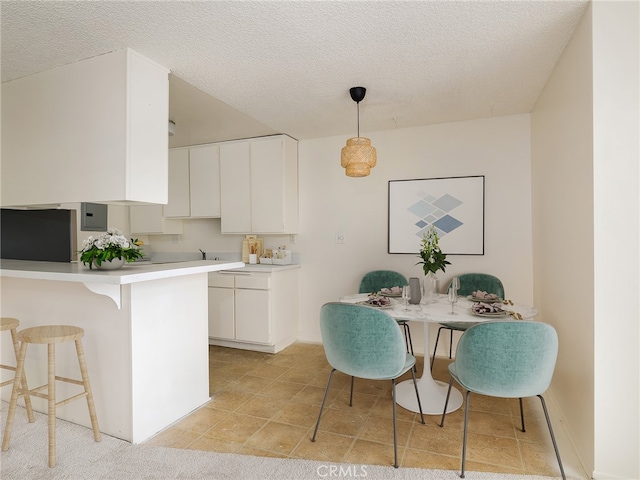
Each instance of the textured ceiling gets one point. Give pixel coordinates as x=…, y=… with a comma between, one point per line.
x=287, y=66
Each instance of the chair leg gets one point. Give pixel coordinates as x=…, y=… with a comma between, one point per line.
x=408, y=341
x=435, y=349
x=464, y=435
x=446, y=401
x=415, y=385
x=23, y=380
x=324, y=399
x=87, y=388
x=522, y=415
x=14, y=396
x=450, y=344
x=395, y=429
x=351, y=394
x=553, y=438
x=407, y=336
x=51, y=401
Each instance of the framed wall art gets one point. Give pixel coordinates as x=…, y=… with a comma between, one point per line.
x=453, y=205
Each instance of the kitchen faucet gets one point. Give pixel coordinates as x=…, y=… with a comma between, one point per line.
x=204, y=254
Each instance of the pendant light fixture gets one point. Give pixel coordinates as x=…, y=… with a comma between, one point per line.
x=358, y=157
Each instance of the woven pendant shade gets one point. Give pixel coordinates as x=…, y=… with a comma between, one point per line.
x=358, y=157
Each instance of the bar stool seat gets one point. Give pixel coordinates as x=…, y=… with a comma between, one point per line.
x=50, y=335
x=11, y=324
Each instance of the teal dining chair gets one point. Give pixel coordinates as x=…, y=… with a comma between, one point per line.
x=469, y=282
x=506, y=359
x=376, y=280
x=364, y=342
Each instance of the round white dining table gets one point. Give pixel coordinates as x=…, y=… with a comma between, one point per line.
x=433, y=393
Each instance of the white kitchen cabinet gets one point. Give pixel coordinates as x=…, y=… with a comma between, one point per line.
x=194, y=183
x=90, y=131
x=254, y=310
x=222, y=309
x=148, y=220
x=178, y=201
x=259, y=185
x=235, y=187
x=204, y=181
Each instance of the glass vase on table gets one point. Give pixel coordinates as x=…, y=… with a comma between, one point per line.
x=431, y=285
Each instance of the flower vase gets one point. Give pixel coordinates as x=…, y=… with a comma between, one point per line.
x=431, y=288
x=113, y=264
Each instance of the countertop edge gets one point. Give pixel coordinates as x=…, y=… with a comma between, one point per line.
x=265, y=268
x=130, y=273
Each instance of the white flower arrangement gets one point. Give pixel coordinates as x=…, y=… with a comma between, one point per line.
x=107, y=246
x=432, y=257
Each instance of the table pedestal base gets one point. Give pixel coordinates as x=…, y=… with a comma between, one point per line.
x=433, y=394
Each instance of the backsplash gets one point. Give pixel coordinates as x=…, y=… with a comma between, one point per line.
x=191, y=256
x=204, y=234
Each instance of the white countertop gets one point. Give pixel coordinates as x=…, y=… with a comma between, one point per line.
x=268, y=268
x=130, y=273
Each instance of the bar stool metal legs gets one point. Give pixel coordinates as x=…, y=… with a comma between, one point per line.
x=11, y=324
x=51, y=335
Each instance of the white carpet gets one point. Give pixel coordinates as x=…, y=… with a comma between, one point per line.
x=80, y=457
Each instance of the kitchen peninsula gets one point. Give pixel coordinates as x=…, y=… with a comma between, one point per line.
x=145, y=338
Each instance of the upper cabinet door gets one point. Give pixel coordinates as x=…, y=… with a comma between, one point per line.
x=267, y=185
x=178, y=204
x=235, y=187
x=204, y=181
x=274, y=185
x=259, y=181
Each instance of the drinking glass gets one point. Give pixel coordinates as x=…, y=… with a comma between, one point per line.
x=455, y=282
x=405, y=297
x=453, y=298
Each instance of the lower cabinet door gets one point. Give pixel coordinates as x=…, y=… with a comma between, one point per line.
x=221, y=313
x=253, y=308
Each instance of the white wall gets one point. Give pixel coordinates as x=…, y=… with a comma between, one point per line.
x=331, y=203
x=616, y=161
x=562, y=172
x=585, y=158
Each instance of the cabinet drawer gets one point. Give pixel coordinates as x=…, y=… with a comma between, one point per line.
x=255, y=281
x=224, y=280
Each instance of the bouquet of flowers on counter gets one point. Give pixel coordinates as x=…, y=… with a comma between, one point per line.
x=108, y=246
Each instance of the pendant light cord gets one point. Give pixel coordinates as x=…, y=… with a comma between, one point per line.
x=358, y=109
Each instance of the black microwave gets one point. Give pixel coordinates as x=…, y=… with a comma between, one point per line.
x=47, y=235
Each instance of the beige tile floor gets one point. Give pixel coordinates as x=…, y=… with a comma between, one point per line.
x=267, y=404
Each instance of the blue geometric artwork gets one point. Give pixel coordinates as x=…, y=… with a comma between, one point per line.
x=436, y=211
